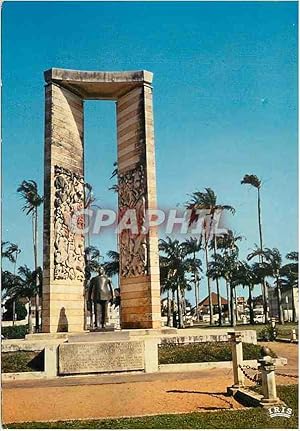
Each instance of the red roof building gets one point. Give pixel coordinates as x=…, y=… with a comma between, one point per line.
x=214, y=300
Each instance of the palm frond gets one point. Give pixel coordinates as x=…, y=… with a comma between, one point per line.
x=252, y=180
x=29, y=192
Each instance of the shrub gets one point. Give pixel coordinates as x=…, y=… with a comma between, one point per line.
x=20, y=310
x=204, y=352
x=268, y=333
x=14, y=331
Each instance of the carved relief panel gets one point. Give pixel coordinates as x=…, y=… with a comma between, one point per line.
x=68, y=242
x=133, y=242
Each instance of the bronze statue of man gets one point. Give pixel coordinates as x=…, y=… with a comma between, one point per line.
x=100, y=293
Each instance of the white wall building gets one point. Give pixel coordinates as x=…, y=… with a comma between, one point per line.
x=287, y=298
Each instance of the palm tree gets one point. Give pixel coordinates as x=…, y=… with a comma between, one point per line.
x=28, y=284
x=167, y=286
x=227, y=243
x=179, y=265
x=11, y=252
x=29, y=192
x=92, y=257
x=168, y=268
x=112, y=266
x=207, y=201
x=271, y=265
x=249, y=275
x=227, y=267
x=192, y=247
x=9, y=283
x=255, y=182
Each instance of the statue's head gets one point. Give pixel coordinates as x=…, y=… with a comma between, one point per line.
x=101, y=271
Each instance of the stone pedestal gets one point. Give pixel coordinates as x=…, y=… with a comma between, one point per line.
x=236, y=339
x=267, y=368
x=293, y=335
x=51, y=360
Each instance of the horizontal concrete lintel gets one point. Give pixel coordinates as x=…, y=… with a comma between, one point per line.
x=98, y=84
x=97, y=76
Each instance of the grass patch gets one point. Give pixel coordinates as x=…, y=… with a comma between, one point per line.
x=204, y=352
x=231, y=419
x=283, y=331
x=20, y=362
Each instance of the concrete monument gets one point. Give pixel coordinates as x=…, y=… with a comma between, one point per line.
x=63, y=284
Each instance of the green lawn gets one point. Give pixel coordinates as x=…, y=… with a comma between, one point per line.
x=250, y=418
x=204, y=352
x=20, y=362
x=283, y=331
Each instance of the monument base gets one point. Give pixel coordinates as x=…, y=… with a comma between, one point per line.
x=106, y=351
x=106, y=329
x=165, y=334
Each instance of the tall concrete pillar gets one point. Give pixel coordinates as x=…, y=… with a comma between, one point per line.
x=63, y=284
x=139, y=262
x=62, y=308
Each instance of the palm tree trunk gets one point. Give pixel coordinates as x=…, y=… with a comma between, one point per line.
x=14, y=300
x=263, y=284
x=232, y=311
x=179, y=308
x=218, y=287
x=236, y=305
x=30, y=329
x=85, y=325
x=13, y=312
x=209, y=289
x=198, y=291
x=173, y=309
x=251, y=313
x=183, y=306
x=196, y=287
x=259, y=219
x=169, y=311
x=196, y=300
x=280, y=312
x=293, y=306
x=35, y=244
x=228, y=299
x=219, y=302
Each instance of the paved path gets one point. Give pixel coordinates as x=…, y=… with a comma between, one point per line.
x=92, y=397
x=131, y=395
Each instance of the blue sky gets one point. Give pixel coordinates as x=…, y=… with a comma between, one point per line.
x=225, y=102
